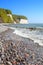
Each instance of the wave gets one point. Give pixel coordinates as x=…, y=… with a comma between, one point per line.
x=34, y=35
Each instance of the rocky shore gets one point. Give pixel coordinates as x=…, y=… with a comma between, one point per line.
x=16, y=50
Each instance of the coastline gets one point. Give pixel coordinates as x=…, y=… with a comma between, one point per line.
x=6, y=29
x=21, y=45
x=29, y=36
x=13, y=30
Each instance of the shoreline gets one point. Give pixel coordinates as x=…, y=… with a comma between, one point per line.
x=17, y=32
x=19, y=48
x=5, y=28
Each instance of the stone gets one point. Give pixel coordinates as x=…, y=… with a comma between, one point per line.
x=2, y=64
x=14, y=62
x=9, y=63
x=26, y=55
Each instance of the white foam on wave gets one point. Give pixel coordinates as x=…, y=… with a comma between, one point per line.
x=20, y=33
x=31, y=35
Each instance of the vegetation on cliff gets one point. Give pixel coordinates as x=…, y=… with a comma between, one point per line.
x=4, y=17
x=7, y=19
x=18, y=17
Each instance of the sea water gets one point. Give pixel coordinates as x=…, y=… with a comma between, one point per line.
x=24, y=31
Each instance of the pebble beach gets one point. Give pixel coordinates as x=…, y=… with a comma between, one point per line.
x=17, y=50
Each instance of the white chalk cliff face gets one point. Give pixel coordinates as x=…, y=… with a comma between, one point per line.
x=10, y=16
x=24, y=21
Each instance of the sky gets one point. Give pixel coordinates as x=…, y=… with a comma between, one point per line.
x=32, y=9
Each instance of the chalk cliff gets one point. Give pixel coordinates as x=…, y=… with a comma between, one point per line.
x=6, y=16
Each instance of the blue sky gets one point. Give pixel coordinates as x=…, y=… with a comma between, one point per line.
x=33, y=9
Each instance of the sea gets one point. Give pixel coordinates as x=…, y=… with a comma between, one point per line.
x=24, y=30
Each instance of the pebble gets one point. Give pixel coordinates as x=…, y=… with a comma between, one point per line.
x=26, y=55
x=9, y=63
